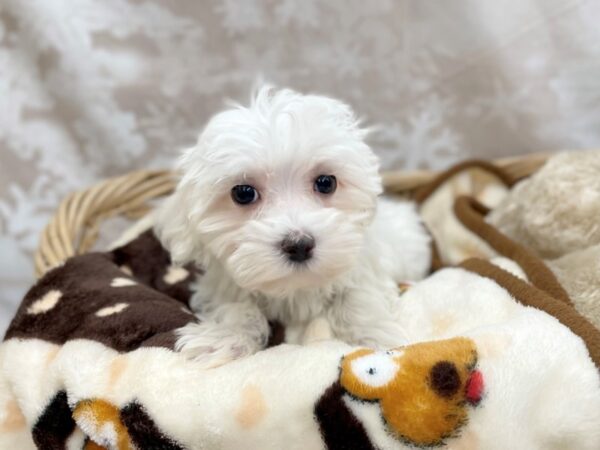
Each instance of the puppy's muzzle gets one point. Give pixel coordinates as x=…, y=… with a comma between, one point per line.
x=298, y=247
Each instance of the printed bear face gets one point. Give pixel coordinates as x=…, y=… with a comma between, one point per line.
x=424, y=389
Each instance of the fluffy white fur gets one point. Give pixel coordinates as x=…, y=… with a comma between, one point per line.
x=364, y=244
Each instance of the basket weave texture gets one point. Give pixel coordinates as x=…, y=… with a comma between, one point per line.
x=74, y=228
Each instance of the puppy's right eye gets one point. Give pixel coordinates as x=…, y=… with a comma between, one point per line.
x=244, y=194
x=325, y=184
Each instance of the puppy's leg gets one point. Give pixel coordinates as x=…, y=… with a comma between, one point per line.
x=397, y=242
x=230, y=331
x=366, y=316
x=318, y=329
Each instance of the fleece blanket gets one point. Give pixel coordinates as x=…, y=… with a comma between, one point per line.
x=498, y=357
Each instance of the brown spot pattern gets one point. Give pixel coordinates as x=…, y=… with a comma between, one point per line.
x=14, y=419
x=123, y=315
x=117, y=367
x=252, y=408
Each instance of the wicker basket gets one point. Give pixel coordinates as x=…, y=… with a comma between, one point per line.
x=74, y=227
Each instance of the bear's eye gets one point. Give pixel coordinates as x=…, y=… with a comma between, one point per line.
x=325, y=184
x=375, y=370
x=244, y=194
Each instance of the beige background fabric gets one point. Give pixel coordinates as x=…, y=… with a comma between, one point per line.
x=93, y=88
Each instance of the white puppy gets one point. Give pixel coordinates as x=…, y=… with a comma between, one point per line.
x=279, y=203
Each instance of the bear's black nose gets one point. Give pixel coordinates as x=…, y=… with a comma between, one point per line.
x=298, y=248
x=444, y=379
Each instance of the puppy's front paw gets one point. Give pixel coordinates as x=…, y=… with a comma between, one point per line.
x=211, y=345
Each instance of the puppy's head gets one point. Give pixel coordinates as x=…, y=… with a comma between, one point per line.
x=280, y=192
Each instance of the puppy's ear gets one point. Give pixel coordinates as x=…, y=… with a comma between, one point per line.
x=174, y=228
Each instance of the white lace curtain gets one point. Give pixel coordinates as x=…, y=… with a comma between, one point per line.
x=92, y=88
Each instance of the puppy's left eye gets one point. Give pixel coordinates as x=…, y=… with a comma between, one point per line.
x=326, y=184
x=244, y=194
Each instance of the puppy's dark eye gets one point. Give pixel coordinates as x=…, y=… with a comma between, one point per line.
x=325, y=184
x=244, y=194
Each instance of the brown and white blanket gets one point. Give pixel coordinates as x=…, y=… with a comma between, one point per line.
x=499, y=356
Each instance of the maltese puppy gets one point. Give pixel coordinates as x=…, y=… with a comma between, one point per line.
x=279, y=204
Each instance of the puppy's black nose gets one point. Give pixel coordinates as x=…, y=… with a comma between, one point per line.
x=298, y=248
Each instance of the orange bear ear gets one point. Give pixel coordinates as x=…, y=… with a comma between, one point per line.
x=366, y=374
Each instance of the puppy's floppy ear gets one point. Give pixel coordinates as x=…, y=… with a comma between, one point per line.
x=174, y=228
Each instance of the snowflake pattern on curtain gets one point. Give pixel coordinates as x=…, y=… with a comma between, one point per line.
x=94, y=88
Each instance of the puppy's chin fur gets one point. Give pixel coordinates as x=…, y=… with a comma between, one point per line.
x=279, y=145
